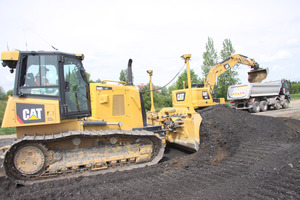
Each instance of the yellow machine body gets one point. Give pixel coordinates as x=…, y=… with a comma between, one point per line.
x=35, y=116
x=73, y=128
x=204, y=96
x=181, y=122
x=116, y=103
x=200, y=98
x=58, y=139
x=10, y=55
x=183, y=126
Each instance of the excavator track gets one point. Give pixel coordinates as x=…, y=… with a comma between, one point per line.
x=40, y=158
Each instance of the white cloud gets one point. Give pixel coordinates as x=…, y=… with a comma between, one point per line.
x=293, y=41
x=282, y=54
x=153, y=33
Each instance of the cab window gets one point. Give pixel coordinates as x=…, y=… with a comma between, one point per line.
x=39, y=75
x=76, y=86
x=205, y=95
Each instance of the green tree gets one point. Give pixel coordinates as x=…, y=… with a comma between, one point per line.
x=210, y=57
x=183, y=77
x=124, y=75
x=2, y=93
x=96, y=81
x=229, y=77
x=147, y=99
x=10, y=92
x=162, y=98
x=295, y=87
x=88, y=77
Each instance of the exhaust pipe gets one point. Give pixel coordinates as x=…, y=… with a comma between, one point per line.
x=129, y=71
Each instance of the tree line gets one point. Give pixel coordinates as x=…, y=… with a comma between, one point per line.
x=163, y=97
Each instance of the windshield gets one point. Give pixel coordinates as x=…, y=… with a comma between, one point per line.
x=39, y=75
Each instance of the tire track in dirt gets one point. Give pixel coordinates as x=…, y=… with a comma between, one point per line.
x=287, y=184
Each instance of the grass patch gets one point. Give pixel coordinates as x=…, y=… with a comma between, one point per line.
x=2, y=109
x=295, y=96
x=5, y=131
x=228, y=103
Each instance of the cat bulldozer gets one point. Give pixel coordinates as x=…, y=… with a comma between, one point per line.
x=67, y=127
x=204, y=95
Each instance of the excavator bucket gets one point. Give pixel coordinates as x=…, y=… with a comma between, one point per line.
x=257, y=75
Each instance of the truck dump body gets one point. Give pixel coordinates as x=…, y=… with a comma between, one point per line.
x=253, y=90
x=259, y=96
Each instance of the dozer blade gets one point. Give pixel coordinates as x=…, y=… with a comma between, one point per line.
x=257, y=75
x=184, y=127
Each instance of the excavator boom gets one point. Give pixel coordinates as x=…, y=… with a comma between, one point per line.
x=256, y=75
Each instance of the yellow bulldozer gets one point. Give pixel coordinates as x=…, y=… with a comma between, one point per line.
x=67, y=127
x=204, y=95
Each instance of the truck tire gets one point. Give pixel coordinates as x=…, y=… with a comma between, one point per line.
x=255, y=108
x=263, y=106
x=277, y=105
x=285, y=104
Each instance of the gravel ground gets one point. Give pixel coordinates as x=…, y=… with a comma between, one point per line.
x=241, y=156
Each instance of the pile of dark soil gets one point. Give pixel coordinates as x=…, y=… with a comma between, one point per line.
x=236, y=148
x=223, y=130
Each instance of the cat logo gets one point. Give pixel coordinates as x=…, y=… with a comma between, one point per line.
x=180, y=96
x=30, y=113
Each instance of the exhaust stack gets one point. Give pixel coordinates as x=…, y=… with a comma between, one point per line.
x=129, y=71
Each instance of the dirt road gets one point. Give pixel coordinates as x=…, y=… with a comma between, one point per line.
x=292, y=112
x=241, y=156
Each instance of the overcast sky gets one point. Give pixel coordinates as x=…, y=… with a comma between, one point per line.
x=154, y=34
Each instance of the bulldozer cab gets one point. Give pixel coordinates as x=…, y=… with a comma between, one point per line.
x=55, y=76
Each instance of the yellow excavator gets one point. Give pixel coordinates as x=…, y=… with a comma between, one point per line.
x=67, y=127
x=204, y=95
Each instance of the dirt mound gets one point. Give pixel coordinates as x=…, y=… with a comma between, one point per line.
x=229, y=126
x=239, y=152
x=223, y=129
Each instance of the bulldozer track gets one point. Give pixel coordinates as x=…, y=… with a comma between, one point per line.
x=42, y=140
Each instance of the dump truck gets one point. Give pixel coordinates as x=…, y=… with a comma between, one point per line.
x=67, y=127
x=256, y=97
x=205, y=95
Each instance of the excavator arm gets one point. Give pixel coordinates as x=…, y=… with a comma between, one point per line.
x=256, y=75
